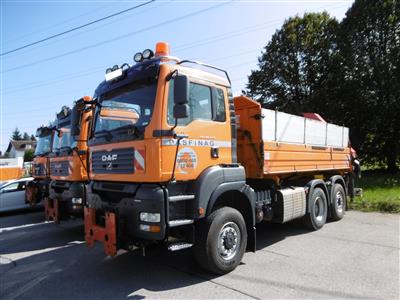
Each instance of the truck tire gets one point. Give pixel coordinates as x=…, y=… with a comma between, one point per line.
x=318, y=211
x=221, y=240
x=338, y=206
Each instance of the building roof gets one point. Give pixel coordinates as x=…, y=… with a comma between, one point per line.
x=20, y=145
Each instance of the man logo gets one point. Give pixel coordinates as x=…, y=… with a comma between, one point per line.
x=109, y=157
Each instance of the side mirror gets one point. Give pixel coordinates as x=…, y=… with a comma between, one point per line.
x=75, y=120
x=181, y=97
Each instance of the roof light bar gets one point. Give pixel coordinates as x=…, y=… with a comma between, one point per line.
x=111, y=75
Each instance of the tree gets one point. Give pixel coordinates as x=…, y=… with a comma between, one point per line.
x=295, y=68
x=26, y=136
x=33, y=138
x=16, y=134
x=29, y=154
x=369, y=43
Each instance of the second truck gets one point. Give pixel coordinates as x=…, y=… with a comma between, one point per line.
x=68, y=165
x=176, y=159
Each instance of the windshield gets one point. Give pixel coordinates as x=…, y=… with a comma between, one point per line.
x=63, y=139
x=43, y=145
x=129, y=107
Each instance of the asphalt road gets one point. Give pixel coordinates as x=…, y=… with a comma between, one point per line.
x=357, y=257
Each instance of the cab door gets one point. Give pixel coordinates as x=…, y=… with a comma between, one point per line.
x=207, y=131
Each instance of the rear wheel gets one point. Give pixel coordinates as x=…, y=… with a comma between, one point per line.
x=316, y=217
x=221, y=240
x=338, y=205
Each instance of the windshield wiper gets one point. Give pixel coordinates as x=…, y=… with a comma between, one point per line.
x=125, y=127
x=135, y=130
x=42, y=153
x=105, y=133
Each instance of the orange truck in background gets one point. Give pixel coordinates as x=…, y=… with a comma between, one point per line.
x=68, y=165
x=176, y=159
x=38, y=189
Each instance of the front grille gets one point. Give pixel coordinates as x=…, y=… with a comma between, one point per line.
x=39, y=170
x=119, y=161
x=59, y=168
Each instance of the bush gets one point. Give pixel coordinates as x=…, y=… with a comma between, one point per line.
x=381, y=192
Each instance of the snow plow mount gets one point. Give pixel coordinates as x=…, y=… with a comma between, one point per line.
x=106, y=234
x=51, y=210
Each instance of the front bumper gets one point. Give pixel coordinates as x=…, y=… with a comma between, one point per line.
x=125, y=201
x=68, y=198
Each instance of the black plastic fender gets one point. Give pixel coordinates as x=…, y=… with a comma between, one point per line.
x=211, y=178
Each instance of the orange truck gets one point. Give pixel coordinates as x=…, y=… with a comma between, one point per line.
x=68, y=163
x=176, y=159
x=38, y=189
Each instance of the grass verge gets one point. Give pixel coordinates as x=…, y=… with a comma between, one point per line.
x=381, y=192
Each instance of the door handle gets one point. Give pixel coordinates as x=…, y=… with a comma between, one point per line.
x=214, y=152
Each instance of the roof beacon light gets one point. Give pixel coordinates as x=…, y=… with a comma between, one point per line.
x=113, y=74
x=162, y=49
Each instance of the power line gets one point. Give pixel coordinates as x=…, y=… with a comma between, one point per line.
x=93, y=28
x=256, y=27
x=44, y=29
x=173, y=20
x=77, y=28
x=180, y=48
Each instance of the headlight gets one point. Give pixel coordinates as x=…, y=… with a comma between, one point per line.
x=76, y=200
x=150, y=217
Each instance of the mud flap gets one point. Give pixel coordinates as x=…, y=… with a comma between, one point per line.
x=51, y=210
x=106, y=235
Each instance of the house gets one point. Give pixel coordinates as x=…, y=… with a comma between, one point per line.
x=17, y=149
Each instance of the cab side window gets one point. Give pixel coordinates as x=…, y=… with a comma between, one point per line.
x=200, y=104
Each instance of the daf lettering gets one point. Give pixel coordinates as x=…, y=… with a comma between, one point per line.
x=109, y=157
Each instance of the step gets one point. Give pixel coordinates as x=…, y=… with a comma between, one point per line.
x=180, y=198
x=179, y=246
x=175, y=223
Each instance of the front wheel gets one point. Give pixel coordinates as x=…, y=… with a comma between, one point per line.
x=221, y=240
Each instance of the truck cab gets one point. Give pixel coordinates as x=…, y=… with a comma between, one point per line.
x=136, y=137
x=38, y=189
x=68, y=165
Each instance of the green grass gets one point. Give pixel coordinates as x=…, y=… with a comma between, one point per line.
x=381, y=192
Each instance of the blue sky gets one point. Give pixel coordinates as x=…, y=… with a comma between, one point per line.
x=35, y=83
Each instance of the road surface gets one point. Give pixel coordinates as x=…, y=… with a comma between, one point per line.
x=357, y=257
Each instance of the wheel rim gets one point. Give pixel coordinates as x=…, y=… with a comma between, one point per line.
x=228, y=241
x=339, y=202
x=319, y=209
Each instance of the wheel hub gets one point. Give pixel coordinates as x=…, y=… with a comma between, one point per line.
x=228, y=241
